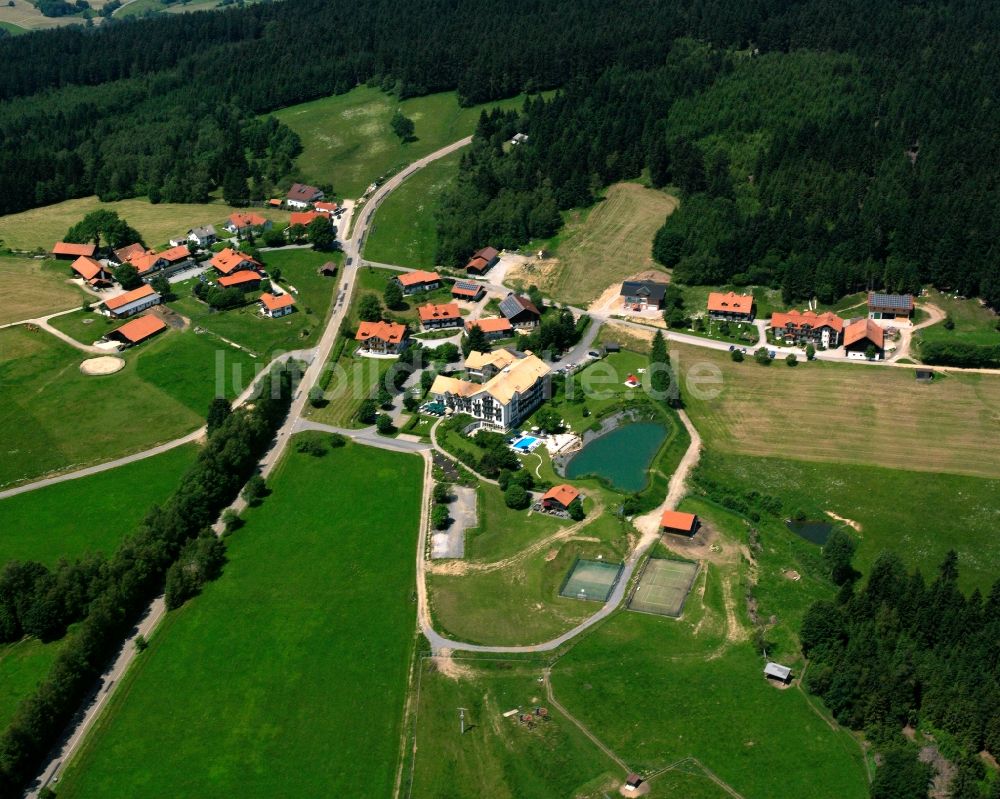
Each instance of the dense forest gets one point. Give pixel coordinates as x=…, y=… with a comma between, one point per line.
x=900, y=652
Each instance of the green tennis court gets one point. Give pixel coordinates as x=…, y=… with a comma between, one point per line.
x=663, y=587
x=591, y=579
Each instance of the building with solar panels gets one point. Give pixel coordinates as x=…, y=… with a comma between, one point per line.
x=889, y=306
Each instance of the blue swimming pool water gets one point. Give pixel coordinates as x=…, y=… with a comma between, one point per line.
x=525, y=443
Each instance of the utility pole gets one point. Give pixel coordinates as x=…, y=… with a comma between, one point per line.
x=461, y=719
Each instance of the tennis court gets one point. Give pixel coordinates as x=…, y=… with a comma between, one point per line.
x=591, y=579
x=663, y=587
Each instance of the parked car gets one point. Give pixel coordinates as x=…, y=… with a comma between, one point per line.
x=732, y=347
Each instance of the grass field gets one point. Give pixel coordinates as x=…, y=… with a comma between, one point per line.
x=22, y=16
x=918, y=515
x=500, y=757
x=847, y=414
x=974, y=323
x=33, y=288
x=22, y=665
x=354, y=379
x=603, y=246
x=634, y=685
x=520, y=603
x=405, y=228
x=59, y=419
x=503, y=532
x=257, y=333
x=91, y=514
x=42, y=227
x=372, y=280
x=347, y=140
x=11, y=28
x=287, y=676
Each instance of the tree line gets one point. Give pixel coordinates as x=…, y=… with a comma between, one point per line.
x=105, y=595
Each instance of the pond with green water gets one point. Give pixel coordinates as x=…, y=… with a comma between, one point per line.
x=622, y=457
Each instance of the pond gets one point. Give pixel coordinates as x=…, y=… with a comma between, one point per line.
x=817, y=532
x=621, y=456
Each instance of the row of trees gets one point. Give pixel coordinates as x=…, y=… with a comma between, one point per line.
x=108, y=593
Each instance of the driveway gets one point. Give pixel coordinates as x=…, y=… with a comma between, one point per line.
x=450, y=543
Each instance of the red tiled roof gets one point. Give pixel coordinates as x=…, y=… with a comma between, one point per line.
x=676, y=520
x=86, y=267
x=275, y=202
x=303, y=192
x=430, y=311
x=305, y=217
x=68, y=248
x=241, y=220
x=390, y=332
x=864, y=329
x=128, y=253
x=563, y=494
x=487, y=253
x=463, y=291
x=730, y=302
x=497, y=325
x=228, y=260
x=141, y=328
x=129, y=296
x=238, y=278
x=175, y=254
x=417, y=277
x=795, y=319
x=326, y=208
x=145, y=262
x=274, y=303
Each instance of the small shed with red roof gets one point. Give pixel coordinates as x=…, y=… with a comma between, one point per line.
x=675, y=521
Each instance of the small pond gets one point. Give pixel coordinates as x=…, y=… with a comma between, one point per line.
x=817, y=531
x=621, y=457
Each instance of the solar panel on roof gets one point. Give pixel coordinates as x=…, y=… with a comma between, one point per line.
x=900, y=301
x=466, y=285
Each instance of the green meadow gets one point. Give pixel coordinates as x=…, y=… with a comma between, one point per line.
x=347, y=140
x=287, y=676
x=90, y=514
x=22, y=665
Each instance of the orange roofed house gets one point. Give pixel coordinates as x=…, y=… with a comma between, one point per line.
x=435, y=316
x=559, y=497
x=67, y=251
x=302, y=195
x=494, y=328
x=276, y=305
x=822, y=330
x=730, y=306
x=418, y=280
x=862, y=335
x=483, y=261
x=386, y=338
x=467, y=290
x=675, y=521
x=93, y=271
x=304, y=218
x=242, y=223
x=131, y=302
x=244, y=280
x=229, y=260
x=137, y=330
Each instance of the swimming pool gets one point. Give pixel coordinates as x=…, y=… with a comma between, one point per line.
x=526, y=443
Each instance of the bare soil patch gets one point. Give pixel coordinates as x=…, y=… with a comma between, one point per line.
x=103, y=365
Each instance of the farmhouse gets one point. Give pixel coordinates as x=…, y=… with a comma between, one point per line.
x=202, y=236
x=305, y=217
x=775, y=671
x=559, y=497
x=326, y=208
x=435, y=316
x=138, y=330
x=131, y=302
x=861, y=335
x=418, y=280
x=483, y=261
x=243, y=223
x=276, y=305
x=124, y=255
x=302, y=195
x=503, y=402
x=387, y=338
x=890, y=306
x=520, y=311
x=467, y=290
x=244, y=280
x=67, y=251
x=730, y=306
x=642, y=294
x=229, y=260
x=484, y=365
x=494, y=328
x=94, y=272
x=674, y=521
x=823, y=330
x=146, y=263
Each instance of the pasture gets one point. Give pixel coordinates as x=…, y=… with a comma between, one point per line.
x=91, y=514
x=22, y=665
x=974, y=322
x=40, y=228
x=287, y=676
x=502, y=758
x=347, y=140
x=840, y=413
x=405, y=228
x=33, y=288
x=603, y=245
x=353, y=380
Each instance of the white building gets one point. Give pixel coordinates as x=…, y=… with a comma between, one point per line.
x=131, y=302
x=504, y=401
